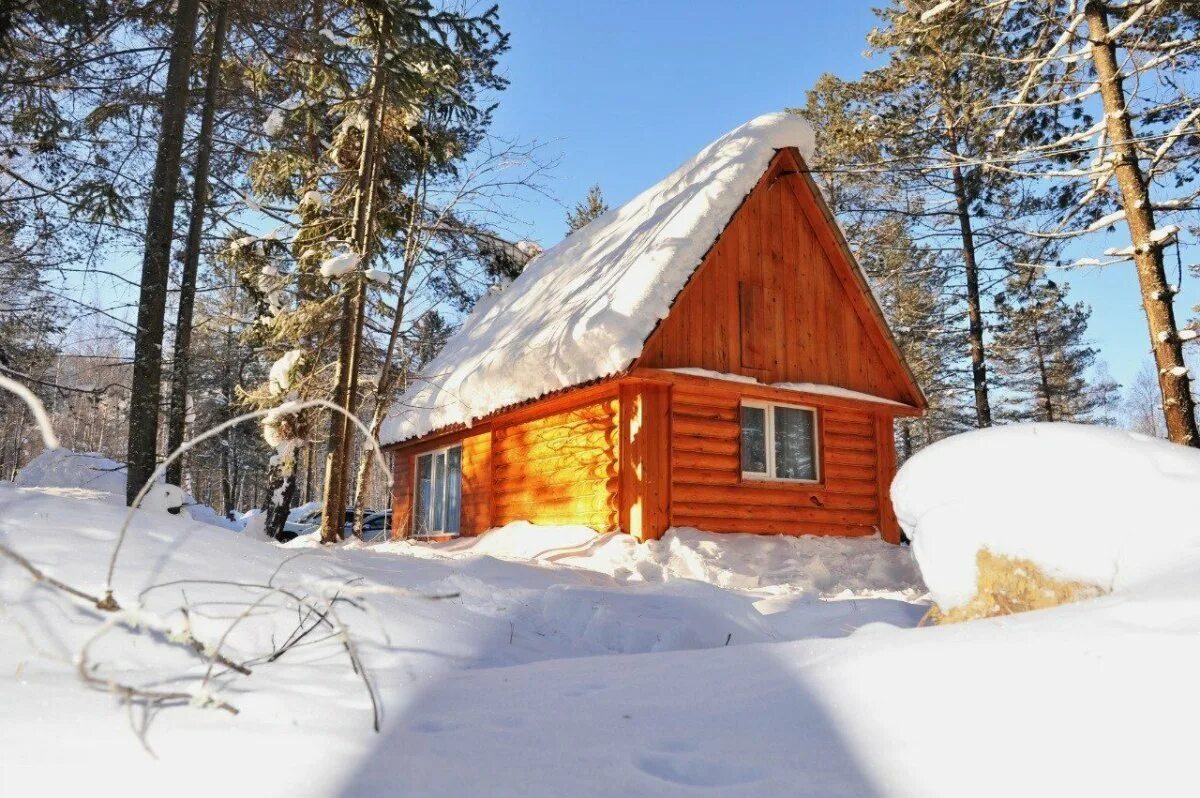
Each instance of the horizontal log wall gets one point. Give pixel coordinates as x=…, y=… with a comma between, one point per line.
x=560, y=468
x=708, y=491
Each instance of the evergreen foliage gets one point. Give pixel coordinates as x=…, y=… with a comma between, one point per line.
x=1042, y=356
x=592, y=206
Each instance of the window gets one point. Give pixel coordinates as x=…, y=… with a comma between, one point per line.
x=779, y=442
x=438, y=500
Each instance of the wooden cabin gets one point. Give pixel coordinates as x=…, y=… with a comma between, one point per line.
x=709, y=355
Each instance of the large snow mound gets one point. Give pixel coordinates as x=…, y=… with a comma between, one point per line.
x=824, y=567
x=92, y=475
x=1103, y=506
x=581, y=310
x=63, y=468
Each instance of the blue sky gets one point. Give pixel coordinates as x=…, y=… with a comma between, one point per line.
x=625, y=91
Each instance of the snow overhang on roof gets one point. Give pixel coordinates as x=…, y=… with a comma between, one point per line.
x=582, y=310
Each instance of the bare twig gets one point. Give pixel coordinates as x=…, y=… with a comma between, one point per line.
x=108, y=602
x=41, y=576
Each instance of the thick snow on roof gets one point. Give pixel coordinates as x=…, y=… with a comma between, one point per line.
x=582, y=310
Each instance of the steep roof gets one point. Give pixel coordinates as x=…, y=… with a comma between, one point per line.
x=583, y=309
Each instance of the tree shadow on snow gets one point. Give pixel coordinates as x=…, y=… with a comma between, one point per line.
x=737, y=720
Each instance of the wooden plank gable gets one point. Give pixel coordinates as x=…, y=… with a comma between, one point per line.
x=779, y=298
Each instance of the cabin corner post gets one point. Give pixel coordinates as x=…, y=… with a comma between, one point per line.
x=402, y=493
x=645, y=459
x=885, y=440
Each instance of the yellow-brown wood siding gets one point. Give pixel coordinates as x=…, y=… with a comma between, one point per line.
x=559, y=468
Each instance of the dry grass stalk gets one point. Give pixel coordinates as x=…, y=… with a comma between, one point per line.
x=1008, y=585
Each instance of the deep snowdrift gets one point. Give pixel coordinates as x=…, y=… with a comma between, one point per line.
x=828, y=567
x=1110, y=508
x=545, y=678
x=92, y=475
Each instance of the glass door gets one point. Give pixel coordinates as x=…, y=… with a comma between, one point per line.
x=437, y=503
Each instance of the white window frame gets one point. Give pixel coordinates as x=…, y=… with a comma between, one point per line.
x=416, y=481
x=768, y=409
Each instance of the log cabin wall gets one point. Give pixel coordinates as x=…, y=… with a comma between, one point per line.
x=560, y=467
x=477, y=484
x=402, y=491
x=645, y=459
x=775, y=299
x=709, y=492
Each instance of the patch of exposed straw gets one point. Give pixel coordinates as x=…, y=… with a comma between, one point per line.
x=1008, y=585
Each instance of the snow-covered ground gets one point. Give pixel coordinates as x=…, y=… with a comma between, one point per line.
x=584, y=665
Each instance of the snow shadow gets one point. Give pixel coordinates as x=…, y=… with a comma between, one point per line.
x=534, y=706
x=728, y=721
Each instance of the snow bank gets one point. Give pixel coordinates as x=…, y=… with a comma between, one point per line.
x=63, y=468
x=519, y=540
x=92, y=475
x=1110, y=508
x=582, y=309
x=829, y=567
x=729, y=693
x=825, y=567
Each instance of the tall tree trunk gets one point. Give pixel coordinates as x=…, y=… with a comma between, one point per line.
x=177, y=412
x=384, y=386
x=227, y=505
x=353, y=314
x=310, y=453
x=1158, y=301
x=1043, y=375
x=228, y=456
x=360, y=319
x=983, y=408
x=141, y=455
x=906, y=444
x=281, y=495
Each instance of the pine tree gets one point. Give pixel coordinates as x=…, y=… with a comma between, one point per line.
x=1041, y=354
x=1106, y=396
x=181, y=361
x=359, y=174
x=142, y=449
x=591, y=207
x=921, y=124
x=1132, y=66
x=910, y=283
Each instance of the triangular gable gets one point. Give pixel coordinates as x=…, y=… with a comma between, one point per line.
x=781, y=298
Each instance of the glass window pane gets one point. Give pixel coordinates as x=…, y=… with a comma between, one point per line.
x=424, y=487
x=795, y=448
x=754, y=440
x=453, y=489
x=439, y=490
